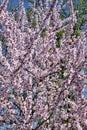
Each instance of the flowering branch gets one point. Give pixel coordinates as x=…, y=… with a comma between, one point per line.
x=41, y=80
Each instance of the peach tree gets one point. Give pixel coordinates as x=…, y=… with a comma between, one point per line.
x=42, y=61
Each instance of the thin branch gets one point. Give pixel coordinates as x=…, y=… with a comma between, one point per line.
x=49, y=13
x=48, y=74
x=34, y=76
x=4, y=4
x=44, y=121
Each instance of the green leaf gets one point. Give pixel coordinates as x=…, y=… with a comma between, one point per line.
x=59, y=36
x=58, y=44
x=73, y=129
x=60, y=75
x=43, y=33
x=39, y=120
x=81, y=1
x=71, y=96
x=49, y=51
x=58, y=83
x=34, y=24
x=66, y=121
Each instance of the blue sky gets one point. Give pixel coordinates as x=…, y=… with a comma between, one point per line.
x=16, y=2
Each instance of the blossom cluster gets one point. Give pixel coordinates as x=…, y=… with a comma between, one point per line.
x=41, y=75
